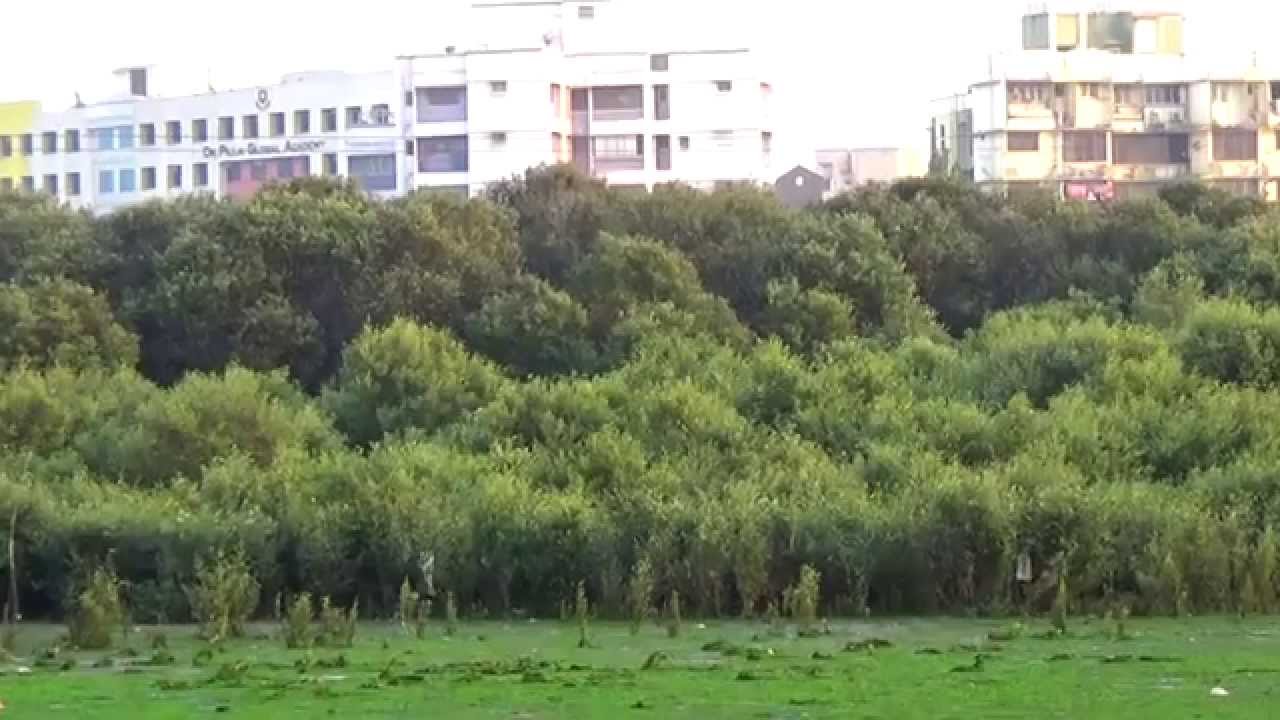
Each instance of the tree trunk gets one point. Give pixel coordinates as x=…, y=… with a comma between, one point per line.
x=12, y=605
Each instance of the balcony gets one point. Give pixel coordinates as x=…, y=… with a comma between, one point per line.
x=581, y=120
x=618, y=164
x=614, y=104
x=600, y=114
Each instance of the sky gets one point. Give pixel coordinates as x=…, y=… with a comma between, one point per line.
x=846, y=73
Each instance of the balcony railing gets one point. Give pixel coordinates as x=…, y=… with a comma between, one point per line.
x=612, y=114
x=442, y=113
x=618, y=164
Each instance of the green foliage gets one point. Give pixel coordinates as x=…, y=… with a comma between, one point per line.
x=337, y=626
x=98, y=610
x=61, y=323
x=224, y=596
x=640, y=593
x=802, y=599
x=295, y=626
x=582, y=611
x=673, y=615
x=450, y=614
x=1061, y=606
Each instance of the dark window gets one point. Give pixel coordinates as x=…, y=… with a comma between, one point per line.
x=662, y=149
x=258, y=170
x=1084, y=147
x=226, y=128
x=586, y=12
x=1150, y=149
x=684, y=142
x=51, y=184
x=6, y=146
x=200, y=174
x=28, y=144
x=147, y=134
x=442, y=104
x=277, y=124
x=498, y=87
x=353, y=117
x=1024, y=142
x=49, y=143
x=1111, y=31
x=1235, y=145
x=443, y=154
x=233, y=172
x=330, y=164
x=724, y=86
x=249, y=123
x=380, y=115
x=173, y=132
x=174, y=174
x=73, y=184
x=148, y=178
x=659, y=63
x=284, y=168
x=28, y=184
x=200, y=130
x=329, y=120
x=373, y=172
x=766, y=142
x=662, y=102
x=617, y=103
x=301, y=122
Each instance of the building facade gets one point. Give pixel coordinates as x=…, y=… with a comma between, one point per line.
x=570, y=84
x=133, y=147
x=549, y=82
x=1103, y=105
x=850, y=169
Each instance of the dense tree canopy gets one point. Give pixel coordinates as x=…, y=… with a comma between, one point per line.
x=907, y=389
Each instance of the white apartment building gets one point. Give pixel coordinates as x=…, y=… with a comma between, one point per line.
x=550, y=81
x=134, y=147
x=1105, y=104
x=572, y=83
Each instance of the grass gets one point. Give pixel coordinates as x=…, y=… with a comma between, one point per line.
x=931, y=669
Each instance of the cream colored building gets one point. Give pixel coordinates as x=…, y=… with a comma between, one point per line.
x=1103, y=105
x=849, y=169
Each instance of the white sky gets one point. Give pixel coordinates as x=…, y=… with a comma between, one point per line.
x=856, y=73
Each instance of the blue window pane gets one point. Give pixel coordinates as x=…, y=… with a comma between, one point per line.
x=125, y=135
x=128, y=180
x=106, y=181
x=105, y=138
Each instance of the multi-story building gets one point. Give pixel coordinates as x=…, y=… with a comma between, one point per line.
x=1103, y=105
x=133, y=147
x=573, y=84
x=567, y=85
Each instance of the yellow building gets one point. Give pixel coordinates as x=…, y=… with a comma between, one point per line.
x=17, y=144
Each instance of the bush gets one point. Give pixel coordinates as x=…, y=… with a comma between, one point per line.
x=337, y=627
x=223, y=597
x=802, y=599
x=296, y=623
x=98, y=611
x=640, y=593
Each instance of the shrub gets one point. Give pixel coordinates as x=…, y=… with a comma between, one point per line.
x=802, y=599
x=337, y=627
x=639, y=593
x=408, y=613
x=582, y=610
x=223, y=597
x=98, y=610
x=296, y=625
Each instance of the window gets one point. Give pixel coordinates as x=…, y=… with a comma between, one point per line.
x=258, y=171
x=28, y=184
x=1068, y=32
x=497, y=140
x=173, y=132
x=249, y=124
x=329, y=120
x=724, y=86
x=28, y=144
x=147, y=134
x=586, y=12
x=103, y=138
x=226, y=128
x=124, y=137
x=442, y=104
x=1221, y=92
x=49, y=143
x=1164, y=94
x=1024, y=142
x=200, y=174
x=1150, y=149
x=722, y=138
x=174, y=177
x=618, y=152
x=6, y=146
x=200, y=130
x=659, y=63
x=498, y=87
x=662, y=102
x=1235, y=145
x=1128, y=95
x=766, y=142
x=443, y=154
x=51, y=184
x=1028, y=94
x=128, y=180
x=353, y=117
x=284, y=168
x=1035, y=32
x=684, y=142
x=1082, y=147
x=106, y=181
x=73, y=184
x=232, y=171
x=148, y=178
x=277, y=124
x=380, y=115
x=625, y=102
x=1111, y=31
x=330, y=164
x=301, y=122
x=662, y=149
x=408, y=98
x=376, y=173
